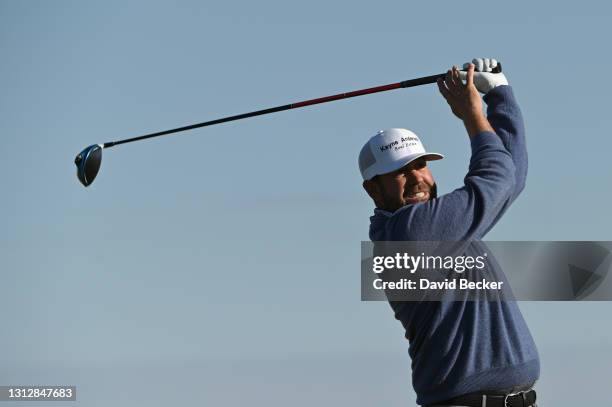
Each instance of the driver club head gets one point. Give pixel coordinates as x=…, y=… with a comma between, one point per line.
x=88, y=163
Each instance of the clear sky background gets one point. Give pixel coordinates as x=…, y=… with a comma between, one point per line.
x=221, y=266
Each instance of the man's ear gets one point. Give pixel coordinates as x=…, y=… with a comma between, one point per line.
x=373, y=190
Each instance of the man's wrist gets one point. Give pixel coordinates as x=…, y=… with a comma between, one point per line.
x=476, y=123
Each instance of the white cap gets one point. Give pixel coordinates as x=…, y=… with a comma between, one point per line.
x=389, y=150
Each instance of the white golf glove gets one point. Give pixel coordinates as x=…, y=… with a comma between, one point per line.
x=484, y=80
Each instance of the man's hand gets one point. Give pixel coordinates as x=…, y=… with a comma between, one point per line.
x=484, y=80
x=464, y=100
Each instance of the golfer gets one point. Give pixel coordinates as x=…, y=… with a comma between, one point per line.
x=464, y=353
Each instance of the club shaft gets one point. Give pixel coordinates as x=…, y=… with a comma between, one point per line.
x=361, y=92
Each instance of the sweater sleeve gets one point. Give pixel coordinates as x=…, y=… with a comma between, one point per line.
x=466, y=213
x=505, y=117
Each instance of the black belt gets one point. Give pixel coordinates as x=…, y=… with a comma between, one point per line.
x=521, y=399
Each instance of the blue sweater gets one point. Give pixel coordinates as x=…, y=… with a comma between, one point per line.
x=468, y=346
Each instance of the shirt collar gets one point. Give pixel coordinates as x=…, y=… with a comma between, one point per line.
x=383, y=212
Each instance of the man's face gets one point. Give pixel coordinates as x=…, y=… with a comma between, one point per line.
x=411, y=184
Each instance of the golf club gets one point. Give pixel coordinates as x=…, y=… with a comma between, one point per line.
x=89, y=160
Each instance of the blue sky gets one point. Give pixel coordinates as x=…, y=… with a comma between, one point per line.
x=223, y=264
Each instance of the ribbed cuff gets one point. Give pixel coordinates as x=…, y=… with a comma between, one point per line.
x=499, y=94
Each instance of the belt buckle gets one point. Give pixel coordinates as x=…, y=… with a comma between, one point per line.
x=522, y=393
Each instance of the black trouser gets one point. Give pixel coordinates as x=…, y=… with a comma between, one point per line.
x=518, y=396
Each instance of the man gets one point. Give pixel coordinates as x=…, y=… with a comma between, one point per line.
x=464, y=353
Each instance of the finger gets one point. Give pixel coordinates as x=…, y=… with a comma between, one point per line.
x=478, y=64
x=487, y=64
x=448, y=79
x=451, y=83
x=456, y=77
x=493, y=63
x=470, y=75
x=457, y=83
x=442, y=87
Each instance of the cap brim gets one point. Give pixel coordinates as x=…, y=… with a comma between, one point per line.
x=396, y=165
x=431, y=157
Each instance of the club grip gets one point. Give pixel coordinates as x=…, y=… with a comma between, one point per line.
x=497, y=69
x=433, y=78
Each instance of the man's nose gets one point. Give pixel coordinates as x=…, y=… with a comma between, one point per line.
x=414, y=174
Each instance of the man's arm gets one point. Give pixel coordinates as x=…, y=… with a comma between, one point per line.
x=503, y=113
x=505, y=116
x=470, y=211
